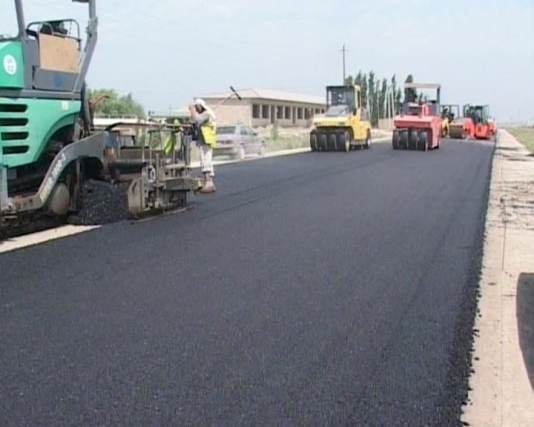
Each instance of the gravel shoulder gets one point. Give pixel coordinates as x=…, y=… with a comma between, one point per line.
x=502, y=382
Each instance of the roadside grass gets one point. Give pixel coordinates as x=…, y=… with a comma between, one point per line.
x=272, y=145
x=283, y=143
x=524, y=135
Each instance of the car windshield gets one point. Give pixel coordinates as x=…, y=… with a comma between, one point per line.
x=226, y=130
x=8, y=20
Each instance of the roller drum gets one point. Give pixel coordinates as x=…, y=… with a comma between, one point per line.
x=456, y=132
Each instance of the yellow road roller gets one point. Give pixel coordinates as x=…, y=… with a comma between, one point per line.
x=345, y=125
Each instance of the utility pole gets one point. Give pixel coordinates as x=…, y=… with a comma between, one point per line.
x=344, y=50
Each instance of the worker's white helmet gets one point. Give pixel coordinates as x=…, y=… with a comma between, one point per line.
x=201, y=102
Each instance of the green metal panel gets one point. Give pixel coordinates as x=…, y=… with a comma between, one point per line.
x=26, y=126
x=11, y=65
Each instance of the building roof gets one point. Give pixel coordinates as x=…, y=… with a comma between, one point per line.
x=181, y=112
x=274, y=95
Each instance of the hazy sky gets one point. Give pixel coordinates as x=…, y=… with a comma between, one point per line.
x=166, y=52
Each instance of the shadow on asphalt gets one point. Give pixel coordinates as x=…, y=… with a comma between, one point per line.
x=525, y=321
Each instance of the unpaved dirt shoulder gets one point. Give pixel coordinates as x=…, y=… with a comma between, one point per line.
x=502, y=382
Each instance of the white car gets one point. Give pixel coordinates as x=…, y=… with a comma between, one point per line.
x=238, y=141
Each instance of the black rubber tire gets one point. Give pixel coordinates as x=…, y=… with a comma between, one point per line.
x=414, y=138
x=403, y=137
x=332, y=142
x=423, y=140
x=313, y=141
x=395, y=140
x=322, y=142
x=367, y=143
x=345, y=141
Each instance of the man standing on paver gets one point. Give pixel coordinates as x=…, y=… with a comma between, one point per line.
x=204, y=118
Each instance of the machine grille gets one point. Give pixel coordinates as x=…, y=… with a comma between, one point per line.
x=14, y=132
x=3, y=186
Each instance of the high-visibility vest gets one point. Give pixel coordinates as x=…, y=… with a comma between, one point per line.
x=208, y=130
x=170, y=142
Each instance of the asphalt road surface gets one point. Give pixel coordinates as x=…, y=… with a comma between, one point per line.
x=320, y=289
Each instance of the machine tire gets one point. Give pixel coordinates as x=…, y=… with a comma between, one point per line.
x=403, y=139
x=423, y=140
x=313, y=141
x=345, y=141
x=414, y=139
x=332, y=142
x=395, y=140
x=323, y=142
x=367, y=144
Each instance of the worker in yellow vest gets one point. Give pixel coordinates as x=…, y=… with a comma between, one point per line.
x=204, y=118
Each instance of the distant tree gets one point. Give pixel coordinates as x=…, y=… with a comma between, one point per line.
x=410, y=95
x=358, y=79
x=349, y=81
x=364, y=87
x=398, y=100
x=422, y=98
x=382, y=99
x=393, y=91
x=372, y=95
x=115, y=104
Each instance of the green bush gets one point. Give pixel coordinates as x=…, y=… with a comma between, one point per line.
x=272, y=145
x=291, y=143
x=274, y=132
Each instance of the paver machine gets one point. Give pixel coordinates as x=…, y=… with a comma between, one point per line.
x=419, y=124
x=48, y=145
x=449, y=113
x=345, y=124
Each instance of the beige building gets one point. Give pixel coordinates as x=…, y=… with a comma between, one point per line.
x=262, y=107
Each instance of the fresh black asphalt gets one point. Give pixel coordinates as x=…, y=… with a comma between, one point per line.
x=320, y=289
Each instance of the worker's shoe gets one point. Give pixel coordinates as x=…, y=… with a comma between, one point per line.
x=208, y=186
